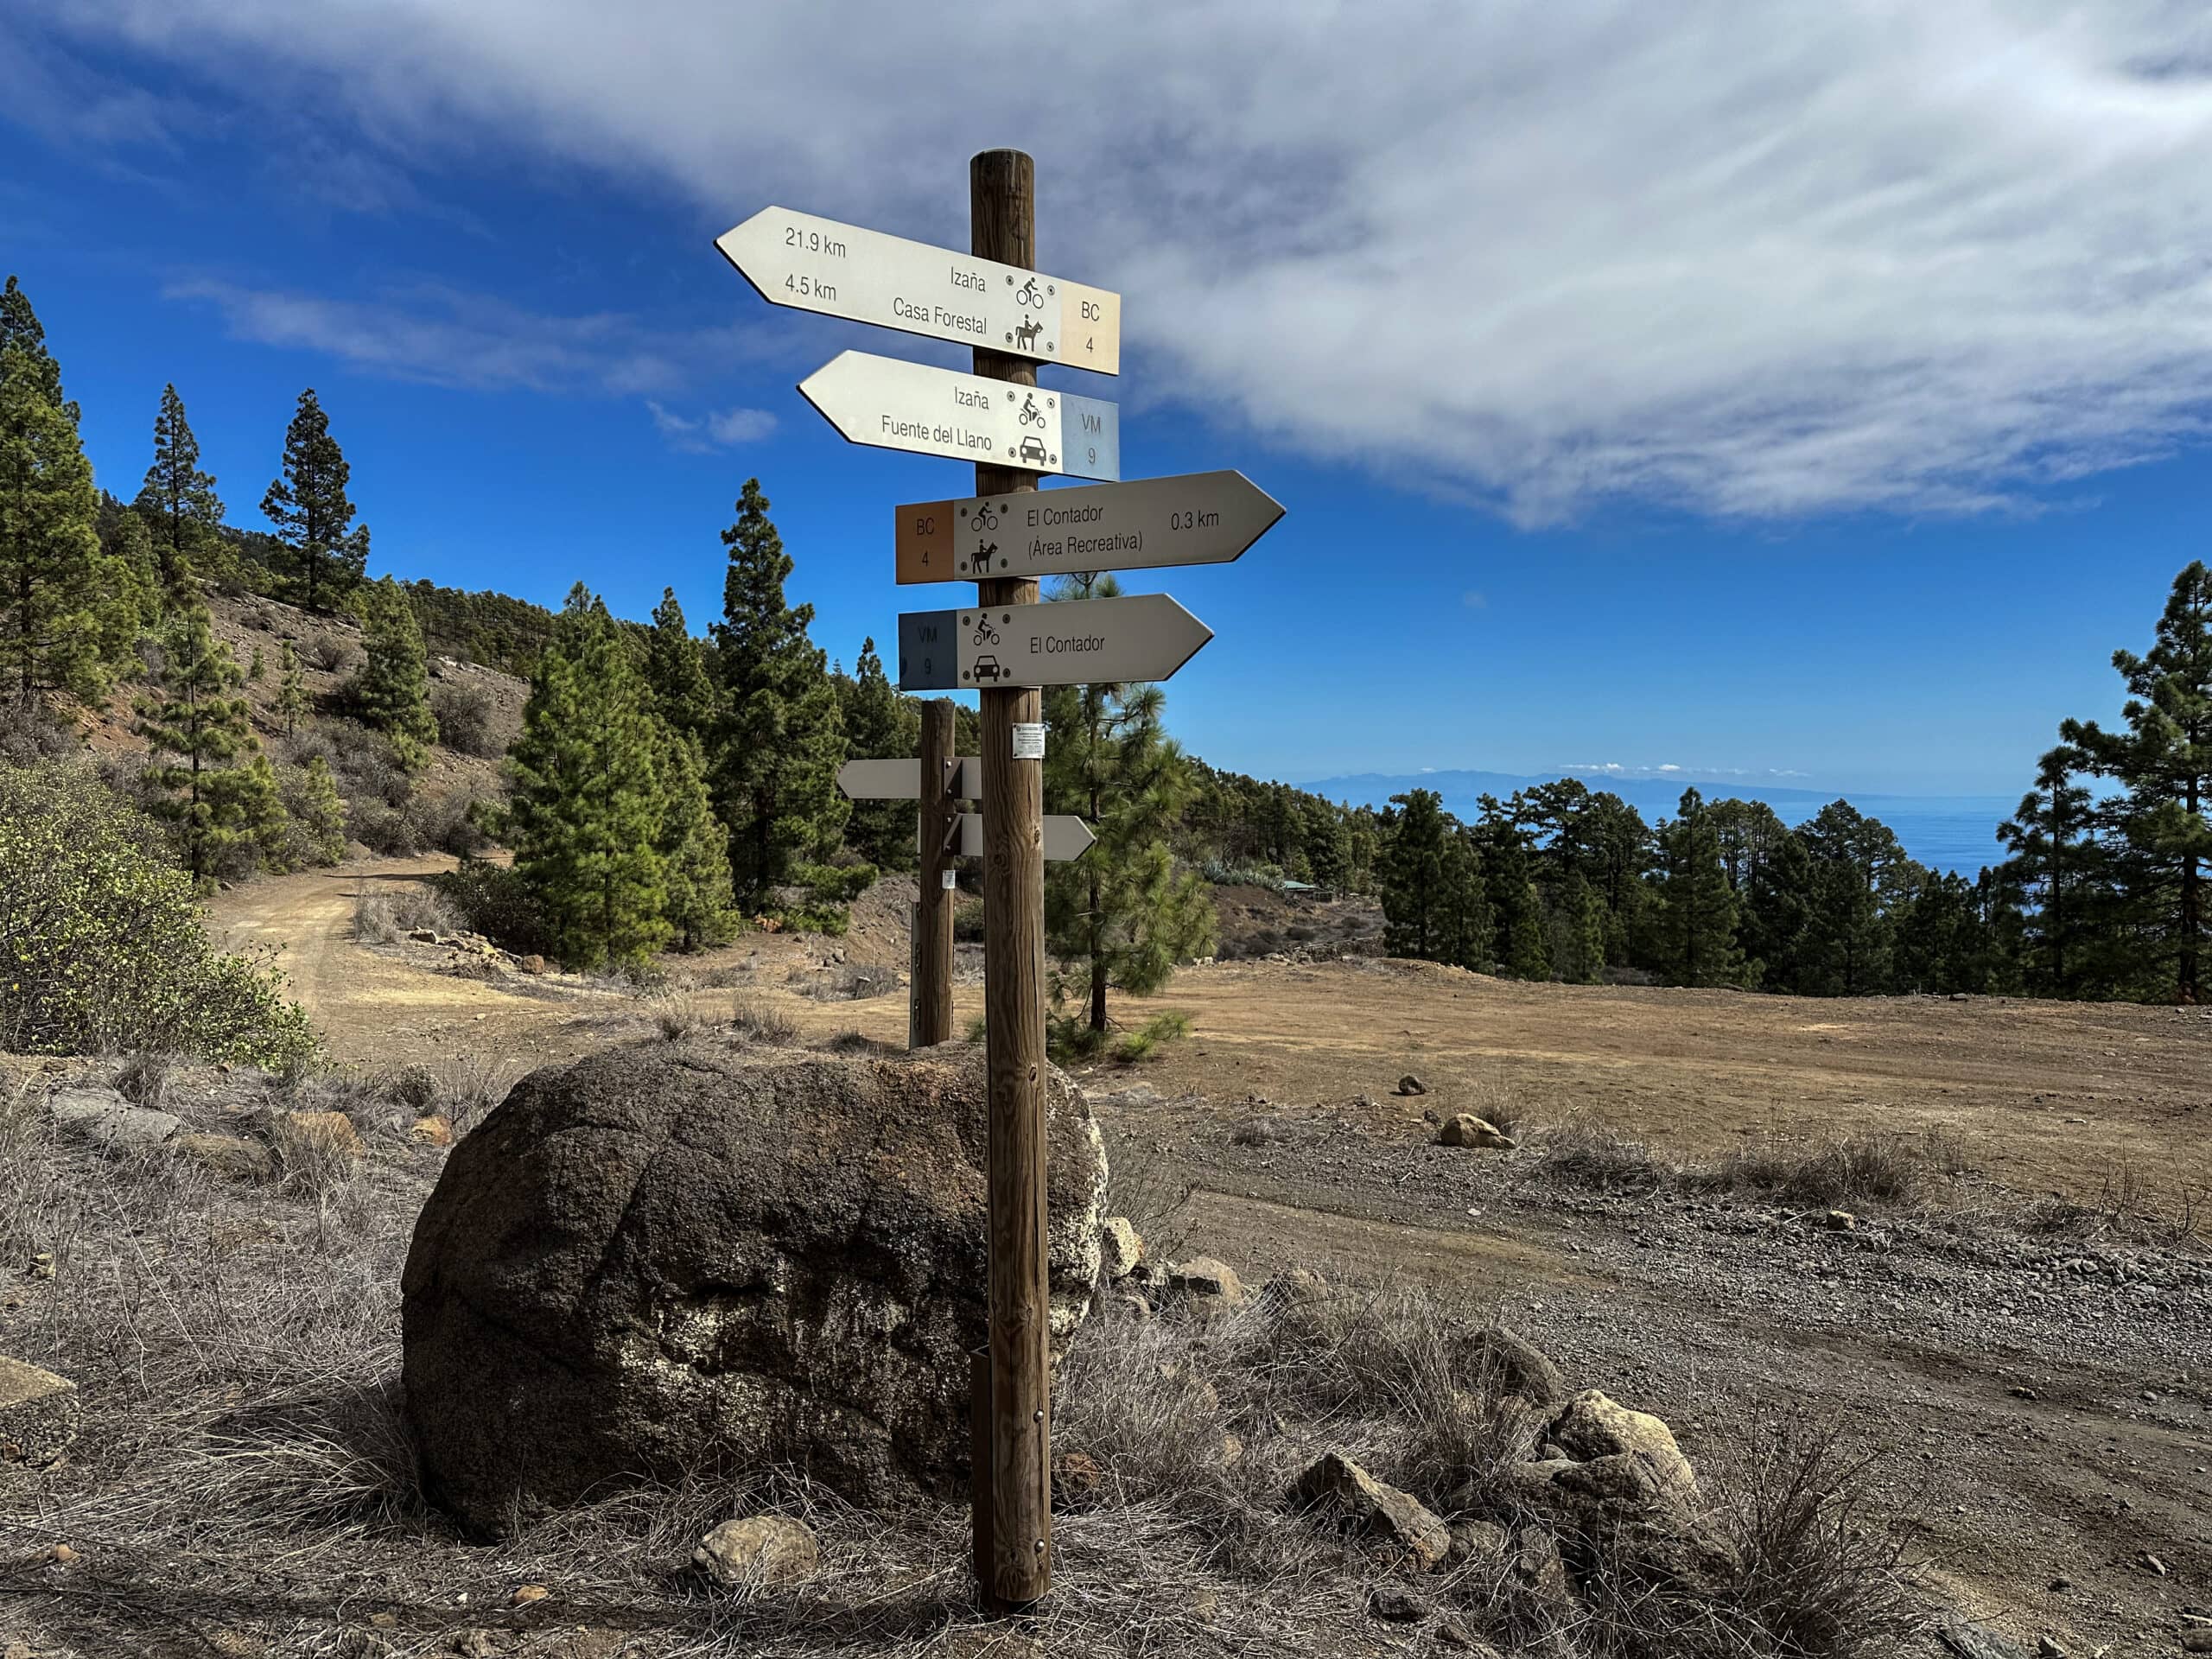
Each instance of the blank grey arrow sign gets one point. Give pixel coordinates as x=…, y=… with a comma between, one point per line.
x=1066, y=837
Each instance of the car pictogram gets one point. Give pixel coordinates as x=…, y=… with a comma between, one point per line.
x=1031, y=449
x=987, y=668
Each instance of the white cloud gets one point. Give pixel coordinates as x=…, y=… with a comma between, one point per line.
x=697, y=434
x=1751, y=260
x=448, y=338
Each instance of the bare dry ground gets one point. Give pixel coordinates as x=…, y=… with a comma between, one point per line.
x=2018, y=1322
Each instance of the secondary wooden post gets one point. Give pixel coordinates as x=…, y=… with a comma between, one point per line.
x=1002, y=205
x=933, y=984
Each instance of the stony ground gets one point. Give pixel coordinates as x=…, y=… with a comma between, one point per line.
x=2021, y=1332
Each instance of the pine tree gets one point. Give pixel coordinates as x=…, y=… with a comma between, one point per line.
x=588, y=807
x=2060, y=868
x=879, y=724
x=1412, y=872
x=392, y=691
x=210, y=790
x=178, y=500
x=1124, y=914
x=1697, y=913
x=781, y=743
x=291, y=690
x=319, y=812
x=256, y=668
x=20, y=330
x=695, y=848
x=312, y=513
x=1469, y=936
x=1516, y=907
x=63, y=604
x=1581, y=952
x=1855, y=887
x=2163, y=762
x=676, y=670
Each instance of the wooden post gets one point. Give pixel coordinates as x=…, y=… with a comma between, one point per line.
x=1002, y=205
x=932, y=1022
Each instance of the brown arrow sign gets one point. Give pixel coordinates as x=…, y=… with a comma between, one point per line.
x=1147, y=524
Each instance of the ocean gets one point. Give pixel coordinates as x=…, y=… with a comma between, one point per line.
x=1945, y=832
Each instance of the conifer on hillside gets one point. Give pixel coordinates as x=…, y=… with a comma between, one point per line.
x=2163, y=762
x=781, y=740
x=879, y=724
x=676, y=671
x=700, y=907
x=1697, y=909
x=214, y=783
x=1124, y=914
x=313, y=514
x=588, y=808
x=291, y=688
x=318, y=812
x=178, y=501
x=64, y=611
x=392, y=691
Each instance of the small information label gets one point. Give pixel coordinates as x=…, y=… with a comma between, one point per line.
x=1028, y=741
x=947, y=880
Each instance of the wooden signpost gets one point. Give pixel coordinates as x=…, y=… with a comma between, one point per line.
x=1005, y=647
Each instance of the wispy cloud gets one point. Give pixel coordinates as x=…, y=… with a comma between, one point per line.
x=444, y=336
x=697, y=435
x=1750, y=260
x=1671, y=769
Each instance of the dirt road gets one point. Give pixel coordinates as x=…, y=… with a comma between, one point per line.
x=2044, y=1403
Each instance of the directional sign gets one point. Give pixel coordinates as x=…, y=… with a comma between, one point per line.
x=1074, y=642
x=901, y=780
x=895, y=405
x=841, y=270
x=1201, y=518
x=1066, y=837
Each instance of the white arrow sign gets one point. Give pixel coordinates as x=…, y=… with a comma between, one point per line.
x=901, y=780
x=895, y=405
x=1075, y=642
x=1066, y=837
x=1202, y=518
x=843, y=271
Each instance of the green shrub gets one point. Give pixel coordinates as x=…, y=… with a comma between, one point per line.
x=101, y=946
x=494, y=900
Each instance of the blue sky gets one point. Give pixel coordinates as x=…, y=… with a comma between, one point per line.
x=1816, y=408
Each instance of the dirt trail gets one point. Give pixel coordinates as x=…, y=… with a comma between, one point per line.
x=2049, y=1418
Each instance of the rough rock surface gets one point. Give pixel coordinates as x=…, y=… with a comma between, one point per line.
x=1203, y=1277
x=1121, y=1248
x=39, y=1413
x=1618, y=1475
x=109, y=1122
x=1507, y=1363
x=674, y=1255
x=1468, y=1131
x=1338, y=1486
x=757, y=1549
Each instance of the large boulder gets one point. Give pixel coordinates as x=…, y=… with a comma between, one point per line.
x=674, y=1256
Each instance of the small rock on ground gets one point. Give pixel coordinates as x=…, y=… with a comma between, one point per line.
x=1468, y=1131
x=1119, y=1248
x=39, y=1415
x=1396, y=1605
x=1382, y=1513
x=757, y=1549
x=1410, y=1085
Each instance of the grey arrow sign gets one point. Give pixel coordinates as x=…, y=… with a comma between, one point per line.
x=1066, y=837
x=1075, y=642
x=1201, y=518
x=901, y=780
x=930, y=411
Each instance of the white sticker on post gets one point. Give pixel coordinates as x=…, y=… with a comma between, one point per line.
x=1029, y=739
x=948, y=880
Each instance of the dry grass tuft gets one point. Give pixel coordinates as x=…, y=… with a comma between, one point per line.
x=758, y=1022
x=389, y=912
x=144, y=1077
